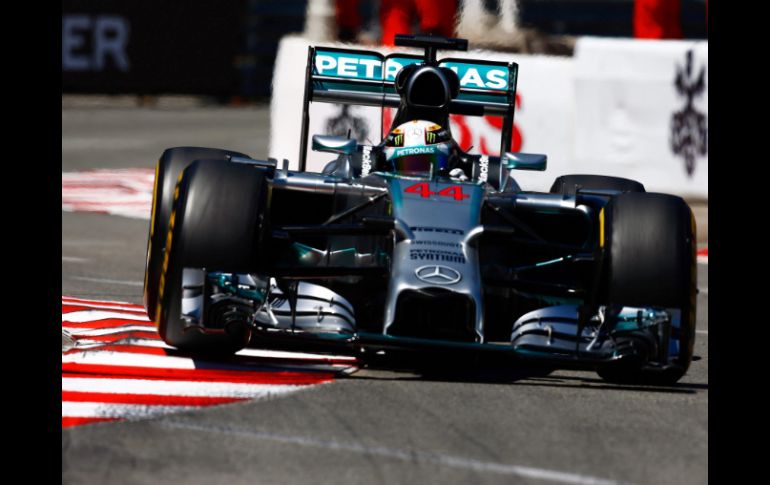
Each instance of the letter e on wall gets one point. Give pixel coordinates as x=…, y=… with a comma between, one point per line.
x=94, y=43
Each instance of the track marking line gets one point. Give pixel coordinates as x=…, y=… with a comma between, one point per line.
x=89, y=242
x=702, y=332
x=104, y=280
x=73, y=259
x=407, y=455
x=70, y=299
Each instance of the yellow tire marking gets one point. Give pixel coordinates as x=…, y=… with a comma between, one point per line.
x=601, y=228
x=154, y=197
x=152, y=222
x=169, y=238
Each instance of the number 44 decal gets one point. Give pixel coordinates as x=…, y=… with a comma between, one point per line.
x=423, y=189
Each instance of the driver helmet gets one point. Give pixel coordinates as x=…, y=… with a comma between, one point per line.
x=418, y=148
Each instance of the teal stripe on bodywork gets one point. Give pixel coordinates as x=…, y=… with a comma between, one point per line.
x=394, y=186
x=477, y=195
x=225, y=282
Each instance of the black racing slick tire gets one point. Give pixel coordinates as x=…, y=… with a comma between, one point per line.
x=215, y=224
x=170, y=165
x=650, y=261
x=568, y=184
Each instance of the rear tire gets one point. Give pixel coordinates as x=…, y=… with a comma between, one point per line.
x=170, y=165
x=568, y=184
x=651, y=262
x=215, y=224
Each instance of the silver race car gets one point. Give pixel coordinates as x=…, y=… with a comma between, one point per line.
x=415, y=244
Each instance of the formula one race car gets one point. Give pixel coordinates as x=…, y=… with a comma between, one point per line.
x=415, y=244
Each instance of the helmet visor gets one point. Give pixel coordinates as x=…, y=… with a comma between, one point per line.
x=421, y=164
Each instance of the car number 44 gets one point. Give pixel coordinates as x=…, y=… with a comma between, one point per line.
x=423, y=189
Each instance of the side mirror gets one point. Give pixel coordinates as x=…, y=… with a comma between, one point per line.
x=334, y=144
x=525, y=161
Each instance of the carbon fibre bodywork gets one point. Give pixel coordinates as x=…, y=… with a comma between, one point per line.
x=440, y=263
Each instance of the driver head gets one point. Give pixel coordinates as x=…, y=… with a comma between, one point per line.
x=418, y=148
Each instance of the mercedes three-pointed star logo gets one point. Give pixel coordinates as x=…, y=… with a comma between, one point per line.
x=438, y=275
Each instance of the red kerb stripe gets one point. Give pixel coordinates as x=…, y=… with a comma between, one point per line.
x=115, y=337
x=203, y=375
x=68, y=422
x=69, y=307
x=72, y=299
x=109, y=323
x=148, y=399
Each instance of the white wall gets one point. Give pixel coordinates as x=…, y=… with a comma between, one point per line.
x=625, y=97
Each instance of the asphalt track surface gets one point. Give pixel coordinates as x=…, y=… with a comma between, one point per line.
x=461, y=424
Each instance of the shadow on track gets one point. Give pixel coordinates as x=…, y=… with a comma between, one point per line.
x=493, y=369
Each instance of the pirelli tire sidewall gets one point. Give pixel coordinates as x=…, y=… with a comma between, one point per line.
x=650, y=260
x=167, y=171
x=215, y=224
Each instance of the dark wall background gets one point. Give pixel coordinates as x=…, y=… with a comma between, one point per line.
x=150, y=46
x=265, y=22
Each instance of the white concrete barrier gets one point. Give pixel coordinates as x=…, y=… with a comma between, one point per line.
x=642, y=112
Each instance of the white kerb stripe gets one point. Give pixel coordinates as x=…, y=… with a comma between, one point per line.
x=125, y=411
x=98, y=357
x=176, y=388
x=277, y=354
x=260, y=353
x=93, y=315
x=95, y=332
x=85, y=343
x=130, y=359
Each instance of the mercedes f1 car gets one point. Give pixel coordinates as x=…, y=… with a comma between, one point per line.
x=414, y=243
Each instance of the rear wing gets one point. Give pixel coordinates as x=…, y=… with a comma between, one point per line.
x=366, y=78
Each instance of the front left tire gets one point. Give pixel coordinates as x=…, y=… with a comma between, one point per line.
x=215, y=225
x=167, y=171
